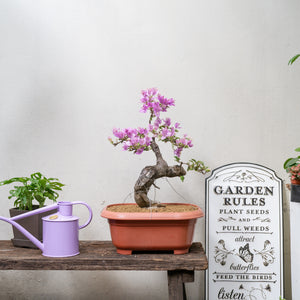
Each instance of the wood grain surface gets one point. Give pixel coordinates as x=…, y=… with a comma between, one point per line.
x=101, y=255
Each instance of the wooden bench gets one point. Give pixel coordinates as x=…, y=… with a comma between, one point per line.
x=102, y=255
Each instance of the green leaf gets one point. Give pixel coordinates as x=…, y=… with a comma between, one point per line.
x=57, y=188
x=292, y=60
x=51, y=179
x=15, y=179
x=36, y=175
x=297, y=149
x=286, y=162
x=50, y=196
x=290, y=162
x=39, y=196
x=55, y=185
x=182, y=178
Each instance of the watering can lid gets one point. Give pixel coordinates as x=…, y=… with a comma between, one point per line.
x=57, y=217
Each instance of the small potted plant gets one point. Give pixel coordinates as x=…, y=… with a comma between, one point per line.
x=136, y=226
x=292, y=167
x=34, y=188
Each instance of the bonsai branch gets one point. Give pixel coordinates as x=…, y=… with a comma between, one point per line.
x=150, y=173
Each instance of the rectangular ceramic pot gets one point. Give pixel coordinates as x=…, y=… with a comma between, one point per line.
x=33, y=224
x=295, y=193
x=152, y=231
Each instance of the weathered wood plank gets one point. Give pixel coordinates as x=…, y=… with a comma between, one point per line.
x=176, y=285
x=100, y=255
x=188, y=276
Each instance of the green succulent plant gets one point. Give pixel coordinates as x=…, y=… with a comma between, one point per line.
x=36, y=187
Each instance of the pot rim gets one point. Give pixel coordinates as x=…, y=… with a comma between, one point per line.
x=295, y=181
x=198, y=213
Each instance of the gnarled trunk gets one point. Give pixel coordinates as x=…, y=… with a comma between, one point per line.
x=150, y=173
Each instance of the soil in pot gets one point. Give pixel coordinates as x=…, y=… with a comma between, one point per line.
x=166, y=208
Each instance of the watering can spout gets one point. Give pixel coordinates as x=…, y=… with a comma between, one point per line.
x=13, y=222
x=25, y=232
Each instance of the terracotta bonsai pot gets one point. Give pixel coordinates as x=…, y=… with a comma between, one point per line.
x=295, y=181
x=151, y=231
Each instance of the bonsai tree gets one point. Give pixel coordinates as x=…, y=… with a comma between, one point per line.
x=142, y=139
x=36, y=187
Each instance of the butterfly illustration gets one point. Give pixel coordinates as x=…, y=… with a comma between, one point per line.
x=245, y=254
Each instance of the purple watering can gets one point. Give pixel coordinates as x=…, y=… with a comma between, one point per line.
x=60, y=230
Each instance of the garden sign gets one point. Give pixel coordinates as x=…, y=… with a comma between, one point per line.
x=244, y=233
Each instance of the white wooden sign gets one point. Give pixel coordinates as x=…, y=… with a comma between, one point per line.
x=244, y=233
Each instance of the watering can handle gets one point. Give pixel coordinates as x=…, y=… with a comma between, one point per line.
x=90, y=216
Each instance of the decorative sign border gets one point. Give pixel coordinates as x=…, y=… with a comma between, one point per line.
x=244, y=241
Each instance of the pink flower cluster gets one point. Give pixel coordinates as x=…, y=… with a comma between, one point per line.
x=295, y=172
x=184, y=142
x=136, y=140
x=139, y=140
x=155, y=102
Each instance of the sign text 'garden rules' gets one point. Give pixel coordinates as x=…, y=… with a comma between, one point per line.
x=244, y=233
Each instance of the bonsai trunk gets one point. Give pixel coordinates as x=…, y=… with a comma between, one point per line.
x=150, y=173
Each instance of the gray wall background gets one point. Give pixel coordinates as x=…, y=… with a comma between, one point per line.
x=70, y=71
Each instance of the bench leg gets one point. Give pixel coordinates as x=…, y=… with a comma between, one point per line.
x=176, y=280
